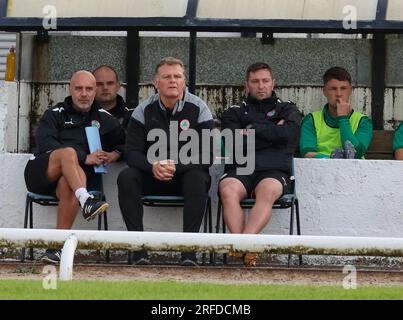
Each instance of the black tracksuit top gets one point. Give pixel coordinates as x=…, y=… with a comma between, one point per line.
x=189, y=113
x=275, y=144
x=62, y=126
x=122, y=111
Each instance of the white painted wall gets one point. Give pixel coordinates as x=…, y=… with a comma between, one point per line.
x=337, y=197
x=11, y=109
x=3, y=113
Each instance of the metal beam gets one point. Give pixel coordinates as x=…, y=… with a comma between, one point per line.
x=378, y=73
x=3, y=8
x=381, y=10
x=132, y=68
x=191, y=10
x=378, y=80
x=198, y=24
x=192, y=61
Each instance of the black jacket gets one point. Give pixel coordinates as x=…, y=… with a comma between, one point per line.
x=275, y=144
x=191, y=112
x=122, y=111
x=62, y=126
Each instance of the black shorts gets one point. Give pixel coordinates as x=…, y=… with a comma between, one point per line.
x=35, y=175
x=251, y=181
x=36, y=179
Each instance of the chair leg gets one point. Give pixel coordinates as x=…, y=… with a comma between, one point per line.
x=27, y=201
x=291, y=227
x=205, y=223
x=298, y=227
x=210, y=229
x=210, y=217
x=129, y=257
x=31, y=226
x=205, y=216
x=217, y=226
x=99, y=228
x=108, y=258
x=224, y=230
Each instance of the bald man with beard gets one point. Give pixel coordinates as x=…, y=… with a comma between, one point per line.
x=63, y=163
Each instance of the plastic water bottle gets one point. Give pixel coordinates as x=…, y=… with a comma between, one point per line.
x=10, y=65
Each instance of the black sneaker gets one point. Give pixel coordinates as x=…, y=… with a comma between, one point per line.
x=140, y=258
x=52, y=256
x=188, y=259
x=189, y=263
x=142, y=262
x=93, y=207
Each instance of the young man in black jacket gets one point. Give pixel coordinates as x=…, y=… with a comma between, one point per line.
x=63, y=163
x=170, y=112
x=108, y=86
x=276, y=125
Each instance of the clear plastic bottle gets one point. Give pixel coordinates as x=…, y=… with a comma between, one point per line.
x=10, y=66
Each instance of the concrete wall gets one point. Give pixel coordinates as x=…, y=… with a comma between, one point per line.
x=3, y=113
x=221, y=62
x=296, y=62
x=337, y=198
x=35, y=99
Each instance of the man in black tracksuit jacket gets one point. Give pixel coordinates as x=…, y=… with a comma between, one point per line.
x=63, y=163
x=62, y=126
x=108, y=86
x=276, y=126
x=122, y=111
x=171, y=111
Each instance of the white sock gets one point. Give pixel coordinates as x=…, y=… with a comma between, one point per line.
x=82, y=196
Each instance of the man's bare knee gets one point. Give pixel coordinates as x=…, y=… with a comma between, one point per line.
x=68, y=154
x=63, y=154
x=231, y=191
x=58, y=159
x=269, y=190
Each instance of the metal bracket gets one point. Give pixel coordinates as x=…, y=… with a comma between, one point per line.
x=42, y=35
x=267, y=38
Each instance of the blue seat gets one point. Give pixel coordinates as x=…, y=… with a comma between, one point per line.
x=178, y=201
x=287, y=201
x=46, y=200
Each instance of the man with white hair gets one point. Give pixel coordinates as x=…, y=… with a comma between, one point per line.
x=172, y=109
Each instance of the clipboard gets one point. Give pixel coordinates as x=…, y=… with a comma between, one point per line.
x=94, y=142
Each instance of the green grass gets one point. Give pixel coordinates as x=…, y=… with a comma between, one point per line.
x=126, y=290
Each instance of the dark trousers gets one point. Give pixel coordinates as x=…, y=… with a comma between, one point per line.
x=193, y=185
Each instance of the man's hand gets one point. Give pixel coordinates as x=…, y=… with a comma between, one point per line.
x=95, y=158
x=343, y=108
x=243, y=132
x=108, y=157
x=164, y=170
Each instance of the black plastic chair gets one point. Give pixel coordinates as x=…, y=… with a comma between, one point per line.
x=287, y=201
x=176, y=202
x=45, y=200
